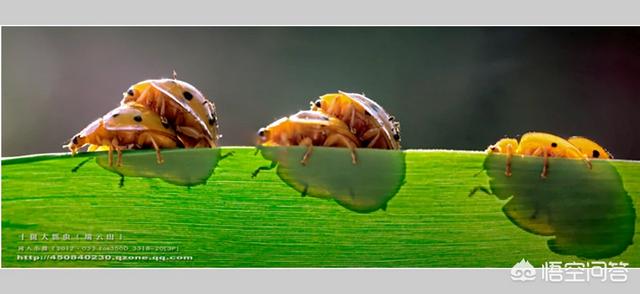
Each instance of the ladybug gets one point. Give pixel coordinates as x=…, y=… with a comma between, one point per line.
x=129, y=126
x=590, y=148
x=537, y=144
x=367, y=120
x=181, y=106
x=309, y=128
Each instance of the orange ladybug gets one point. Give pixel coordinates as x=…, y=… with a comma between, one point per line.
x=537, y=144
x=181, y=106
x=367, y=120
x=309, y=128
x=130, y=126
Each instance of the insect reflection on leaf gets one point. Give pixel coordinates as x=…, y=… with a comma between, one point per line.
x=588, y=211
x=364, y=187
x=184, y=167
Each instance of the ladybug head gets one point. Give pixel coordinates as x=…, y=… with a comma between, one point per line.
x=316, y=105
x=263, y=135
x=75, y=143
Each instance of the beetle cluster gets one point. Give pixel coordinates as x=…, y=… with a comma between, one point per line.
x=160, y=113
x=335, y=120
x=548, y=145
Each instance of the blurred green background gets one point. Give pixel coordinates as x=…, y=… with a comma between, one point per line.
x=450, y=87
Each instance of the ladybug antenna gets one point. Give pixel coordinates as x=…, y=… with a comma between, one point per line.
x=175, y=75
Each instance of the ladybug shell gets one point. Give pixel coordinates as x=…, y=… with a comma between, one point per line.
x=590, y=148
x=306, y=123
x=556, y=146
x=130, y=118
x=311, y=118
x=187, y=97
x=190, y=97
x=380, y=117
x=135, y=117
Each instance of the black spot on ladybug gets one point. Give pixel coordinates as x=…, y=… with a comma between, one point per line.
x=212, y=120
x=554, y=144
x=396, y=136
x=187, y=95
x=115, y=115
x=318, y=103
x=75, y=139
x=137, y=118
x=130, y=92
x=596, y=154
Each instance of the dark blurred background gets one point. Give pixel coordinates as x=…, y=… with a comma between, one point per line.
x=450, y=87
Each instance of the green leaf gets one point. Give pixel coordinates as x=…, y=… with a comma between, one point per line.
x=236, y=220
x=585, y=207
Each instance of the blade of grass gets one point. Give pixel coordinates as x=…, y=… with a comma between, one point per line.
x=235, y=220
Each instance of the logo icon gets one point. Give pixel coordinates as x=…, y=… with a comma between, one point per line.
x=523, y=271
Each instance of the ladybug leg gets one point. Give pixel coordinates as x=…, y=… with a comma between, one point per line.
x=119, y=151
x=146, y=138
x=341, y=140
x=350, y=113
x=201, y=144
x=183, y=141
x=353, y=118
x=193, y=133
x=545, y=167
x=211, y=143
x=587, y=162
x=509, y=152
x=189, y=132
x=163, y=119
x=159, y=159
x=375, y=139
x=373, y=135
x=540, y=151
x=309, y=143
x=369, y=134
x=110, y=155
x=115, y=145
